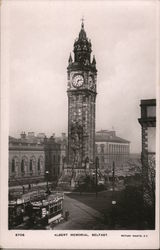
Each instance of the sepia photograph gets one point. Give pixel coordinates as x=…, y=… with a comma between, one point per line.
x=80, y=111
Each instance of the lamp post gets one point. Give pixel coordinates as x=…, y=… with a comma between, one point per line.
x=113, y=213
x=63, y=162
x=47, y=173
x=113, y=177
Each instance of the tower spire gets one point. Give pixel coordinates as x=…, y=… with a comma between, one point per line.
x=82, y=24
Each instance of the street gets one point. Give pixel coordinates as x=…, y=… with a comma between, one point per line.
x=107, y=211
x=81, y=216
x=101, y=213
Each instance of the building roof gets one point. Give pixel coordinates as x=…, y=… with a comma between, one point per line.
x=109, y=136
x=31, y=141
x=23, y=140
x=148, y=102
x=12, y=139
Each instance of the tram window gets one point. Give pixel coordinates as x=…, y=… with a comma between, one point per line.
x=19, y=210
x=37, y=213
x=52, y=210
x=59, y=207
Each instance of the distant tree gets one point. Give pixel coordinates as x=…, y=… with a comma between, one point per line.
x=149, y=191
x=149, y=182
x=135, y=166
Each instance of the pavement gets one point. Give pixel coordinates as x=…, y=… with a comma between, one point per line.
x=40, y=184
x=82, y=217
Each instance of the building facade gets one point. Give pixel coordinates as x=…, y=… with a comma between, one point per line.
x=82, y=77
x=26, y=160
x=112, y=150
x=31, y=156
x=148, y=126
x=63, y=141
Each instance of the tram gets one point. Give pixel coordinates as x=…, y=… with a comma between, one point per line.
x=47, y=211
x=16, y=211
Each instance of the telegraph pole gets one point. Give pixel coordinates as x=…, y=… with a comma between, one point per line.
x=97, y=165
x=113, y=198
x=47, y=186
x=113, y=177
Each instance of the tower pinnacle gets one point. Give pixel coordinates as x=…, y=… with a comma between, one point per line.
x=70, y=59
x=82, y=24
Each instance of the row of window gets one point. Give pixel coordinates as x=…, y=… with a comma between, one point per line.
x=119, y=148
x=113, y=148
x=31, y=164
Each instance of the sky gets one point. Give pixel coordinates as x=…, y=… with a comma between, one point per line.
x=41, y=36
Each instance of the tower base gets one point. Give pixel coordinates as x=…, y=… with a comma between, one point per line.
x=72, y=178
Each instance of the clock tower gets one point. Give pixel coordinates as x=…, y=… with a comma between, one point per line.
x=82, y=77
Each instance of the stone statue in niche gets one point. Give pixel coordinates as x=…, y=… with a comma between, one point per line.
x=76, y=141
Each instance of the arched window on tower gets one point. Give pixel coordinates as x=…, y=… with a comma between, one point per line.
x=13, y=165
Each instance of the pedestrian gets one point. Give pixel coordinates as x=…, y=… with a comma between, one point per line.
x=66, y=215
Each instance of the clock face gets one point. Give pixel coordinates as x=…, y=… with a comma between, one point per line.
x=90, y=82
x=78, y=81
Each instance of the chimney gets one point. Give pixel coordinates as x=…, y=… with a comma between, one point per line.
x=31, y=134
x=23, y=135
x=63, y=136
